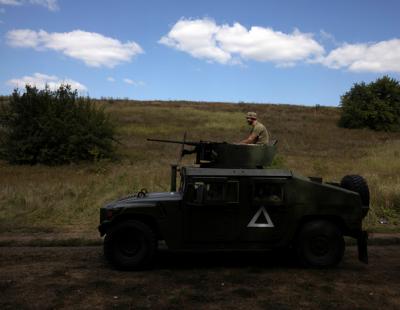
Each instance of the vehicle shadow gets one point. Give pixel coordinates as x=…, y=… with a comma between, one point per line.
x=166, y=259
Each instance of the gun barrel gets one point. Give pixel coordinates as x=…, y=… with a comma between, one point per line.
x=174, y=141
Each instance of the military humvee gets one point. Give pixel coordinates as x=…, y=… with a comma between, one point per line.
x=231, y=201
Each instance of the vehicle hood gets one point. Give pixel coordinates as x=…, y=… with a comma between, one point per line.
x=150, y=199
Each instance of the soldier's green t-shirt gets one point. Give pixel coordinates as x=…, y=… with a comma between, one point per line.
x=261, y=132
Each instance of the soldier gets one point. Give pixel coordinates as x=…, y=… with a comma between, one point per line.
x=258, y=133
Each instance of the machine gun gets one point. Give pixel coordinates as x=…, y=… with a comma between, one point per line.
x=210, y=154
x=205, y=150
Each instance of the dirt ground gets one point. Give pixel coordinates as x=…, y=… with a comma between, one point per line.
x=79, y=278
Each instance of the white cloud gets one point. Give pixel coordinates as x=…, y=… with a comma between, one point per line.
x=23, y=38
x=198, y=38
x=92, y=48
x=129, y=81
x=265, y=44
x=134, y=83
x=52, y=5
x=40, y=80
x=203, y=38
x=328, y=37
x=110, y=79
x=11, y=2
x=383, y=56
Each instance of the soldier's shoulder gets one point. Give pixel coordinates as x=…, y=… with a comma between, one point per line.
x=260, y=125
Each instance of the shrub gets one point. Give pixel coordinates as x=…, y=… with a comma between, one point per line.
x=375, y=105
x=53, y=127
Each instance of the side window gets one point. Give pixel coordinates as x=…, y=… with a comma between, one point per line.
x=194, y=192
x=266, y=192
x=232, y=191
x=211, y=192
x=214, y=191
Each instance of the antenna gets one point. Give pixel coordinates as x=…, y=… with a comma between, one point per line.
x=180, y=155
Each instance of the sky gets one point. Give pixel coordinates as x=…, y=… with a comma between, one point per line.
x=294, y=52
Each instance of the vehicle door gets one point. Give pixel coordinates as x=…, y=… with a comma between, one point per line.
x=266, y=215
x=210, y=209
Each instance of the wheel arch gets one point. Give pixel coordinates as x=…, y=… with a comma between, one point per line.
x=145, y=219
x=335, y=219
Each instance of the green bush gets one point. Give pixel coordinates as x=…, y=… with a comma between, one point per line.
x=375, y=105
x=53, y=127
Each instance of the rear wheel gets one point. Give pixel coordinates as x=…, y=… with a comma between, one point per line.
x=130, y=245
x=320, y=244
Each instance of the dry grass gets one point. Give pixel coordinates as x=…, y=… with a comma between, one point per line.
x=40, y=198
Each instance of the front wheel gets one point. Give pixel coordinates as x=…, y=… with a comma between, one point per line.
x=320, y=244
x=130, y=245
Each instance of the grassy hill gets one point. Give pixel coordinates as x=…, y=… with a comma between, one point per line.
x=67, y=198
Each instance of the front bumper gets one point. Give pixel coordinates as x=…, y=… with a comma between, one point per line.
x=103, y=227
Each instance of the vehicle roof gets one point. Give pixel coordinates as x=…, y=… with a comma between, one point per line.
x=196, y=171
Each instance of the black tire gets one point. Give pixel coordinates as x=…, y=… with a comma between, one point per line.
x=320, y=244
x=357, y=183
x=130, y=245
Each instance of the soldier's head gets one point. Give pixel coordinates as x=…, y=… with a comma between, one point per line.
x=251, y=117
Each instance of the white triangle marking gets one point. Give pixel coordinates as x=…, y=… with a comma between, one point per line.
x=257, y=215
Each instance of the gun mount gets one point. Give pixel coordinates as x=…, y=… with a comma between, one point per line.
x=211, y=154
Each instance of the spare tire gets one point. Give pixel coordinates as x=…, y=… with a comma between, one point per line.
x=357, y=183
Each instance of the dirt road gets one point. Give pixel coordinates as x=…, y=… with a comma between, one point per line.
x=79, y=278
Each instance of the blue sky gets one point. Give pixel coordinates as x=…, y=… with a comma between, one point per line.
x=297, y=52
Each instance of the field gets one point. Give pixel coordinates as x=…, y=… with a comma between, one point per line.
x=78, y=277
x=65, y=199
x=55, y=208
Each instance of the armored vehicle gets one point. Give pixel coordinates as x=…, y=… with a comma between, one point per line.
x=231, y=200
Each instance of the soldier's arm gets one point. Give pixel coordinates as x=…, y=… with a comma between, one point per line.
x=250, y=139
